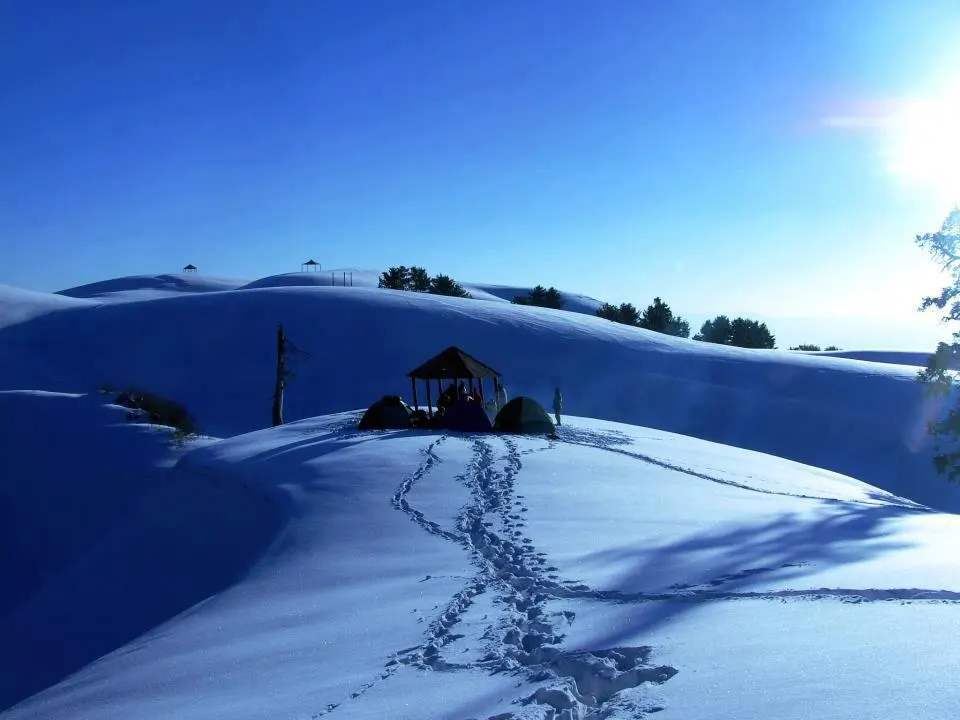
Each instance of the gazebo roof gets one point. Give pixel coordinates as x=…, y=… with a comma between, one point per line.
x=189, y=267
x=310, y=262
x=452, y=364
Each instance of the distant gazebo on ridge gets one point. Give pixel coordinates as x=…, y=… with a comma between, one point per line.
x=310, y=266
x=189, y=268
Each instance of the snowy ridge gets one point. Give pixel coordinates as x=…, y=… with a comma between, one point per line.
x=150, y=287
x=862, y=419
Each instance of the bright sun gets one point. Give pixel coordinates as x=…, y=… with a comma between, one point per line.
x=924, y=144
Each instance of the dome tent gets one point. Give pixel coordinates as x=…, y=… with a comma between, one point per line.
x=524, y=415
x=387, y=413
x=466, y=416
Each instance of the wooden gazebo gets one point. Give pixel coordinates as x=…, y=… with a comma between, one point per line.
x=309, y=265
x=456, y=365
x=189, y=268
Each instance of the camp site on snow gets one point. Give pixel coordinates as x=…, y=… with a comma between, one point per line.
x=462, y=405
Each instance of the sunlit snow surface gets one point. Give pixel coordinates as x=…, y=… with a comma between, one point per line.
x=312, y=570
x=609, y=572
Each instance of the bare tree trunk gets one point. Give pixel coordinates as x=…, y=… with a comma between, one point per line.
x=281, y=377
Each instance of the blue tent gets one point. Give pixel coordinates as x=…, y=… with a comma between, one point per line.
x=466, y=416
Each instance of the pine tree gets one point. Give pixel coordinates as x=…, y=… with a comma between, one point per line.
x=553, y=299
x=628, y=315
x=716, y=331
x=944, y=248
x=657, y=317
x=751, y=334
x=678, y=327
x=541, y=297
x=445, y=285
x=609, y=312
x=419, y=280
x=396, y=278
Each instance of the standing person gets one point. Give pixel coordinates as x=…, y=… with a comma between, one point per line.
x=557, y=405
x=501, y=398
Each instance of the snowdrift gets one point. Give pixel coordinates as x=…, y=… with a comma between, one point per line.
x=215, y=353
x=98, y=541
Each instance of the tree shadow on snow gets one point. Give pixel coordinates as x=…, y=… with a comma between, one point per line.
x=731, y=560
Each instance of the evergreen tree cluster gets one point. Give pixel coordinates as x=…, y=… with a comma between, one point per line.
x=657, y=317
x=806, y=347
x=739, y=332
x=417, y=279
x=541, y=297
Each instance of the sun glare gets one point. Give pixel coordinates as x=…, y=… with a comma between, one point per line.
x=924, y=144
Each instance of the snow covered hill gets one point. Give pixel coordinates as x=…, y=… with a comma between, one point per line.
x=17, y=305
x=343, y=277
x=146, y=287
x=611, y=573
x=215, y=353
x=313, y=570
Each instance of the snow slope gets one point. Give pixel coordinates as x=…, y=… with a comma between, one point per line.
x=147, y=287
x=614, y=572
x=98, y=541
x=344, y=277
x=893, y=357
x=17, y=305
x=572, y=302
x=321, y=278
x=215, y=352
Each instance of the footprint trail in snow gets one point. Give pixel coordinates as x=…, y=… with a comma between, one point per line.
x=521, y=635
x=524, y=636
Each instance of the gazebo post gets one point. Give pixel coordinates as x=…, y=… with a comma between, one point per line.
x=429, y=400
x=416, y=405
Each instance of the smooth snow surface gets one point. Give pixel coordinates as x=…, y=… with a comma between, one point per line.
x=610, y=573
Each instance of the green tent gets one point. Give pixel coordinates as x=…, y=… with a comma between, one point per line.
x=523, y=415
x=389, y=412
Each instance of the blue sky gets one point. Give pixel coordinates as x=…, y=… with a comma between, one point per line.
x=730, y=157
